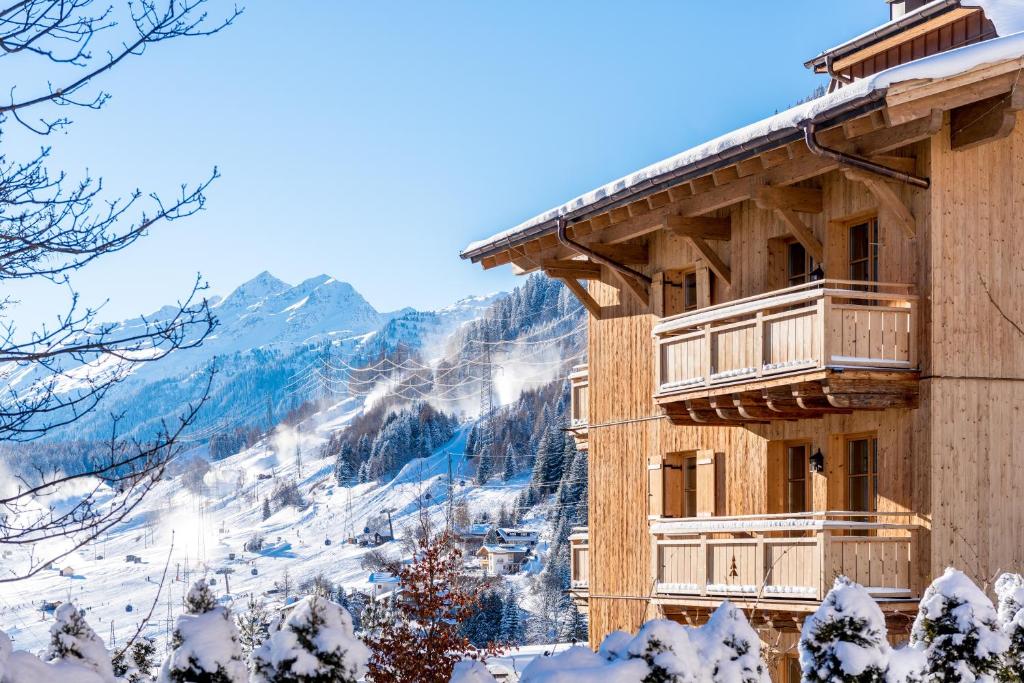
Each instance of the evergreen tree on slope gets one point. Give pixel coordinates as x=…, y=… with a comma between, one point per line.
x=314, y=644
x=253, y=624
x=512, y=630
x=1010, y=589
x=205, y=643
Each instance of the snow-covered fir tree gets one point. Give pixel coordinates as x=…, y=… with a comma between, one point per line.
x=1010, y=590
x=957, y=629
x=134, y=664
x=72, y=641
x=730, y=648
x=205, y=643
x=508, y=464
x=845, y=640
x=315, y=643
x=253, y=624
x=265, y=511
x=343, y=472
x=513, y=631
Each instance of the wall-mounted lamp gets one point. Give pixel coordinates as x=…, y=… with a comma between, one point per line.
x=817, y=461
x=817, y=274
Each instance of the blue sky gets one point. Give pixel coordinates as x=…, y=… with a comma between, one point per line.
x=373, y=140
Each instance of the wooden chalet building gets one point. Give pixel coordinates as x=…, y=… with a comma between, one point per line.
x=805, y=340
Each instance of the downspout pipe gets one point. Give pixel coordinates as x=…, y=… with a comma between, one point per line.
x=572, y=244
x=810, y=133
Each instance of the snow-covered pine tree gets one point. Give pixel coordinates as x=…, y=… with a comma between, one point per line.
x=363, y=475
x=134, y=664
x=266, y=511
x=72, y=641
x=205, y=644
x=343, y=474
x=1010, y=590
x=314, y=644
x=491, y=537
x=845, y=640
x=957, y=628
x=731, y=650
x=573, y=626
x=512, y=631
x=508, y=465
x=253, y=624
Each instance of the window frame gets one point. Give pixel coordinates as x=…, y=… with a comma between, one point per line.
x=870, y=475
x=871, y=258
x=788, y=479
x=808, y=264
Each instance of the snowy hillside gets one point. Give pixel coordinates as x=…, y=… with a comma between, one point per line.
x=207, y=525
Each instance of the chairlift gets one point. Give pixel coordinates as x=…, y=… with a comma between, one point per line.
x=128, y=608
x=327, y=541
x=254, y=571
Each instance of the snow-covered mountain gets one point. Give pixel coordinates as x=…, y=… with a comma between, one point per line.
x=268, y=333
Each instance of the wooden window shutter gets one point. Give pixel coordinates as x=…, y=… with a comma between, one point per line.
x=707, y=485
x=655, y=506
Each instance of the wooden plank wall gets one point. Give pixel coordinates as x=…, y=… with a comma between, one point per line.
x=622, y=383
x=976, y=383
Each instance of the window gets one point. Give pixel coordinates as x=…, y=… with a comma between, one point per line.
x=864, y=251
x=690, y=291
x=793, y=672
x=690, y=486
x=796, y=477
x=862, y=473
x=799, y=264
x=680, y=485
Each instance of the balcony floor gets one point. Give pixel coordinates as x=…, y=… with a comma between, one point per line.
x=795, y=396
x=783, y=616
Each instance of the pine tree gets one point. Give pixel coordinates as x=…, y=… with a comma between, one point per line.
x=253, y=624
x=957, y=629
x=509, y=465
x=845, y=640
x=143, y=657
x=205, y=643
x=484, y=467
x=1010, y=589
x=266, y=512
x=512, y=631
x=343, y=474
x=72, y=640
x=314, y=644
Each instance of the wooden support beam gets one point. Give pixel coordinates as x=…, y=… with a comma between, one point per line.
x=701, y=226
x=985, y=120
x=802, y=233
x=584, y=296
x=702, y=184
x=640, y=290
x=623, y=253
x=887, y=198
x=725, y=175
x=802, y=199
x=714, y=261
x=581, y=270
x=888, y=139
x=754, y=407
x=916, y=98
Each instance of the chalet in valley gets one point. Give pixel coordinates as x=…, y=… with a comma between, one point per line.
x=806, y=340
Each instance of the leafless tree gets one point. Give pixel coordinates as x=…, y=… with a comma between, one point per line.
x=52, y=225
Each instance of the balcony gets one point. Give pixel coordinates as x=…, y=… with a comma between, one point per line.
x=579, y=380
x=784, y=561
x=579, y=565
x=831, y=346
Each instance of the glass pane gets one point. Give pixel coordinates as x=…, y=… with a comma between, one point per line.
x=796, y=496
x=691, y=504
x=859, y=242
x=796, y=263
x=689, y=291
x=859, y=458
x=860, y=497
x=794, y=673
x=796, y=478
x=797, y=462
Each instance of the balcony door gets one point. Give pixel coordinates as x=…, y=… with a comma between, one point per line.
x=797, y=497
x=863, y=251
x=799, y=264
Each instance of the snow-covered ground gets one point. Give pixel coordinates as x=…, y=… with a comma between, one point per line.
x=207, y=527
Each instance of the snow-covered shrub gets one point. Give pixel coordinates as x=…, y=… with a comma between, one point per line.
x=957, y=629
x=471, y=671
x=724, y=650
x=1010, y=590
x=73, y=641
x=205, y=643
x=906, y=665
x=314, y=644
x=134, y=664
x=845, y=640
x=730, y=648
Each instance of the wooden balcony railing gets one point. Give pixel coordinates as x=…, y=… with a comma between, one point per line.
x=791, y=557
x=579, y=559
x=828, y=324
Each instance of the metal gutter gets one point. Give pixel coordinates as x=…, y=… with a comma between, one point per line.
x=810, y=137
x=918, y=16
x=583, y=249
x=851, y=109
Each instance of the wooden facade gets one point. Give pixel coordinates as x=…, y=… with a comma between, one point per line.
x=756, y=425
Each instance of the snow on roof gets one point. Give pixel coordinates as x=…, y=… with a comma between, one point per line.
x=509, y=531
x=745, y=139
x=502, y=549
x=1006, y=15
x=383, y=577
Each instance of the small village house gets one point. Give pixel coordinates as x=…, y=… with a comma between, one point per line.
x=501, y=559
x=805, y=352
